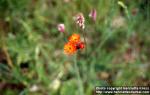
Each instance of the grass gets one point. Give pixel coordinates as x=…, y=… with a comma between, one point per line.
x=32, y=61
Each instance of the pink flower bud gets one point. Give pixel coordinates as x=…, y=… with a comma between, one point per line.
x=61, y=27
x=93, y=14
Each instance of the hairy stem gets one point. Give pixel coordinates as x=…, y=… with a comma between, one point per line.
x=85, y=41
x=80, y=85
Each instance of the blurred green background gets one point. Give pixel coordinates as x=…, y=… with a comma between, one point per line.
x=32, y=61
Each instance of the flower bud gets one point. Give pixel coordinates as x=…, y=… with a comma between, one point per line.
x=61, y=27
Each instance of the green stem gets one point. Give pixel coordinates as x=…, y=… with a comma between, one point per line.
x=80, y=85
x=85, y=41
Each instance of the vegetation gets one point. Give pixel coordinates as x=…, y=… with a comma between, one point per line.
x=32, y=59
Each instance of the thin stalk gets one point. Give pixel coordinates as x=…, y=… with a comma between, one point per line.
x=104, y=40
x=10, y=64
x=4, y=48
x=83, y=31
x=80, y=85
x=65, y=36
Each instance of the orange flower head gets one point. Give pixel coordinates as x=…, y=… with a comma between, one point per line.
x=74, y=38
x=69, y=48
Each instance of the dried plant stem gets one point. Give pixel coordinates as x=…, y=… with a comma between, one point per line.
x=80, y=85
x=4, y=49
x=9, y=61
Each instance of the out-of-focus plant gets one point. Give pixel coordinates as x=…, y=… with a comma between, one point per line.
x=114, y=41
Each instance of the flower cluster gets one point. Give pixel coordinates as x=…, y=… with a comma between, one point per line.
x=74, y=43
x=79, y=19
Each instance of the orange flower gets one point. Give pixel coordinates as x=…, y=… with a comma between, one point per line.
x=73, y=44
x=69, y=48
x=74, y=38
